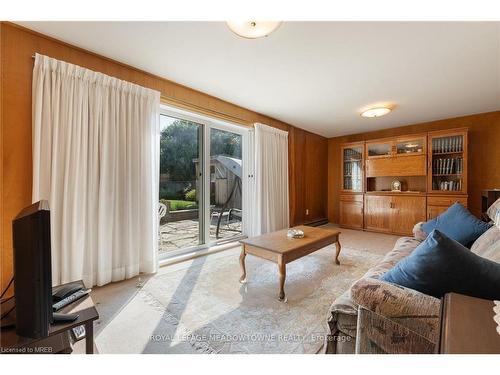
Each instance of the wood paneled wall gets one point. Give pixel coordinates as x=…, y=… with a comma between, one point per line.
x=484, y=155
x=308, y=177
x=17, y=47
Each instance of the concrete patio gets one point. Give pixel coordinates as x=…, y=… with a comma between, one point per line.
x=185, y=233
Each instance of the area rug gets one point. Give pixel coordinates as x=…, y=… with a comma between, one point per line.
x=202, y=308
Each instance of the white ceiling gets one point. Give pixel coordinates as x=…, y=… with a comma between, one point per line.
x=315, y=75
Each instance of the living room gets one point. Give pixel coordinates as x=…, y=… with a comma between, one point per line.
x=302, y=186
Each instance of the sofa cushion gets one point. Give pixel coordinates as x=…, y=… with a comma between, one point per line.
x=418, y=231
x=403, y=247
x=458, y=224
x=494, y=212
x=441, y=265
x=488, y=245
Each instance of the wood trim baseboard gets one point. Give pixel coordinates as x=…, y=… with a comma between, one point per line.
x=317, y=223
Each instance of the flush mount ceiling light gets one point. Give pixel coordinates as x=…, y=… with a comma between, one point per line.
x=253, y=29
x=376, y=112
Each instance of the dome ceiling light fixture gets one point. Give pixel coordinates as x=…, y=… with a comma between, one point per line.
x=376, y=112
x=253, y=29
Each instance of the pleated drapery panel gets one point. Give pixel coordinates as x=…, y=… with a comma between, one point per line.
x=95, y=159
x=270, y=188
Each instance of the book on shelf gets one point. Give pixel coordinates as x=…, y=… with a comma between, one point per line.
x=447, y=145
x=448, y=166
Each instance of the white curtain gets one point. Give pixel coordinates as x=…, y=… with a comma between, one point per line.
x=270, y=185
x=95, y=159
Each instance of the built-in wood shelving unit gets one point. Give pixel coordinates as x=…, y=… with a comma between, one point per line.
x=432, y=169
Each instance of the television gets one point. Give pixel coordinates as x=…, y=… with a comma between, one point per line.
x=33, y=270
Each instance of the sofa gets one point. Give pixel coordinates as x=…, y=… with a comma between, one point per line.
x=392, y=318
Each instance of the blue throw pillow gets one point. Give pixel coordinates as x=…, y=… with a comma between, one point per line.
x=458, y=224
x=441, y=265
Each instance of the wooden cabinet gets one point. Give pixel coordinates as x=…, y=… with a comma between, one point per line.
x=396, y=156
x=447, y=169
x=410, y=145
x=378, y=210
x=393, y=213
x=351, y=211
x=352, y=167
x=406, y=212
x=396, y=166
x=438, y=204
x=380, y=148
x=432, y=171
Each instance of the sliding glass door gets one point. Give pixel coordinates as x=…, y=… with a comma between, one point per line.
x=226, y=187
x=181, y=185
x=202, y=183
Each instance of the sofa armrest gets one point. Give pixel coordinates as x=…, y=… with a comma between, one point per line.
x=407, y=307
x=380, y=335
x=342, y=318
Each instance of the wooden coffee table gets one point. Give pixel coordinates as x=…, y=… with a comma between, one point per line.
x=278, y=248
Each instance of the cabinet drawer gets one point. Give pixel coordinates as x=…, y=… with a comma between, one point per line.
x=445, y=201
x=351, y=198
x=396, y=166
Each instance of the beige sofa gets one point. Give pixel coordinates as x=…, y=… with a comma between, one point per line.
x=409, y=320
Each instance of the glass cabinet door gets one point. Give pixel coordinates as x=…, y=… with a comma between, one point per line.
x=448, y=168
x=352, y=171
x=410, y=146
x=379, y=149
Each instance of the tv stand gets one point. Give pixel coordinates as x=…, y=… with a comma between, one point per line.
x=58, y=340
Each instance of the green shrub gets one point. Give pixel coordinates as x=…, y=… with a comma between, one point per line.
x=191, y=195
x=176, y=205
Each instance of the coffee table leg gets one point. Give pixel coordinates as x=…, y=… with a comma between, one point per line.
x=337, y=248
x=243, y=254
x=282, y=272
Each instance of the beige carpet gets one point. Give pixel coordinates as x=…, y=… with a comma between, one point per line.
x=200, y=307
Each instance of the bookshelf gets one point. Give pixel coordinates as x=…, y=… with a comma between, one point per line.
x=447, y=162
x=352, y=167
x=432, y=170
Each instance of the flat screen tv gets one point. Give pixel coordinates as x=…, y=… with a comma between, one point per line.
x=33, y=270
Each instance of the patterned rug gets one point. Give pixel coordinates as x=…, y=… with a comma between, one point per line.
x=202, y=308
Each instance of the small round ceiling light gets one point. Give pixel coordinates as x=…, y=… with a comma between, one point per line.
x=376, y=112
x=253, y=29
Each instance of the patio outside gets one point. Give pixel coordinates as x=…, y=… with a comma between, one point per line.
x=184, y=233
x=180, y=178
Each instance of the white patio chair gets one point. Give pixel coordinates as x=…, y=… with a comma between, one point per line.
x=162, y=211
